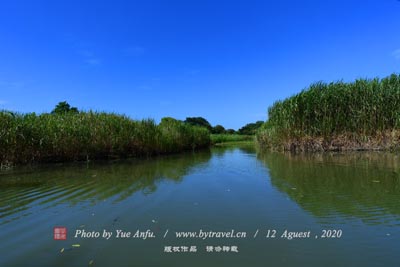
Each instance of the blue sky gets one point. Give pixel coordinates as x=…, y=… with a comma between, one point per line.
x=226, y=61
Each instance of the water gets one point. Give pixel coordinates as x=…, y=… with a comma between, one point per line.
x=225, y=189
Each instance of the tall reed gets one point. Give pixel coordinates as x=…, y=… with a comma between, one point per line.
x=226, y=138
x=89, y=135
x=364, y=107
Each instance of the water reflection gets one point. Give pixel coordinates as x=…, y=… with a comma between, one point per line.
x=227, y=188
x=245, y=148
x=22, y=189
x=340, y=187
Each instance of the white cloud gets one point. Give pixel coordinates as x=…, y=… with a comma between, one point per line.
x=396, y=54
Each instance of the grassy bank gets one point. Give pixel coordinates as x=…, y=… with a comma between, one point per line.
x=26, y=138
x=364, y=114
x=230, y=138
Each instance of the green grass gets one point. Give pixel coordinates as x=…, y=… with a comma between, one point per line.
x=227, y=138
x=29, y=137
x=361, y=108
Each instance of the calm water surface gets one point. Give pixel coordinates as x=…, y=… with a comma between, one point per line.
x=220, y=190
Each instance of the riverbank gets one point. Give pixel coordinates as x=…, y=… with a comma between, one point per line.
x=387, y=140
x=31, y=138
x=362, y=115
x=219, y=139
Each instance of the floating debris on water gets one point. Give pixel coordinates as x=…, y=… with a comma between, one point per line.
x=91, y=262
x=76, y=245
x=376, y=181
x=115, y=221
x=62, y=250
x=153, y=221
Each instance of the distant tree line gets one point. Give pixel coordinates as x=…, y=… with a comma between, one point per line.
x=249, y=129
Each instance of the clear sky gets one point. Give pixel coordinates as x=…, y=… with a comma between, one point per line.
x=226, y=61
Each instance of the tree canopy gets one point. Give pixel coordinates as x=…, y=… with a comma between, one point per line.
x=230, y=131
x=250, y=128
x=218, y=129
x=64, y=108
x=199, y=121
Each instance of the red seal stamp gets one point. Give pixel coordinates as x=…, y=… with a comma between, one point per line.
x=60, y=233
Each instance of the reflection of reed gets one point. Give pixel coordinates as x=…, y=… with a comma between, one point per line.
x=361, y=185
x=74, y=184
x=246, y=147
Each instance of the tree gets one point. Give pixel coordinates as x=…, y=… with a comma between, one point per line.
x=169, y=123
x=250, y=128
x=199, y=121
x=167, y=120
x=230, y=131
x=64, y=108
x=218, y=129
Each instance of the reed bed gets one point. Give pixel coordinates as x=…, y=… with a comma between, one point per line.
x=363, y=109
x=226, y=138
x=26, y=138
